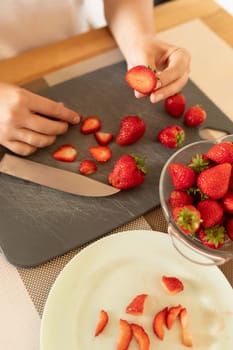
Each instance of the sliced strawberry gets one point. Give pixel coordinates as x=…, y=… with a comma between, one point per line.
x=172, y=136
x=142, y=79
x=159, y=323
x=87, y=167
x=172, y=285
x=102, y=322
x=141, y=336
x=136, y=306
x=175, y=105
x=103, y=138
x=179, y=198
x=194, y=116
x=188, y=218
x=90, y=125
x=186, y=336
x=182, y=176
x=211, y=212
x=65, y=153
x=213, y=237
x=221, y=152
x=100, y=153
x=125, y=335
x=172, y=315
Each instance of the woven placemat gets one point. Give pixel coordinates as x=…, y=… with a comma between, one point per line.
x=39, y=280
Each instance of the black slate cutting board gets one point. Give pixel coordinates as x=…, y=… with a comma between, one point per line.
x=38, y=223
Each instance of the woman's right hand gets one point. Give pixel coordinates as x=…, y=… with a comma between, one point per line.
x=23, y=125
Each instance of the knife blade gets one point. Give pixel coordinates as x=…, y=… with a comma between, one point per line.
x=55, y=178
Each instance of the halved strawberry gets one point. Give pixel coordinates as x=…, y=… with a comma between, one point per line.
x=87, y=167
x=141, y=336
x=136, y=306
x=159, y=323
x=142, y=79
x=100, y=153
x=102, y=322
x=65, y=153
x=212, y=237
x=221, y=152
x=186, y=336
x=125, y=335
x=175, y=105
x=103, y=138
x=90, y=125
x=172, y=285
x=172, y=315
x=188, y=218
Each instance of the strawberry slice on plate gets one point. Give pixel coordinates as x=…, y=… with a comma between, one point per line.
x=141, y=336
x=172, y=285
x=90, y=125
x=159, y=323
x=186, y=336
x=125, y=335
x=100, y=153
x=172, y=314
x=142, y=79
x=136, y=306
x=102, y=322
x=65, y=153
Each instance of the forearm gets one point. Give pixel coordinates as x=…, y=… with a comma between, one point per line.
x=129, y=20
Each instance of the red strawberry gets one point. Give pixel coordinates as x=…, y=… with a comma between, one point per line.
x=172, y=285
x=136, y=306
x=212, y=237
x=125, y=335
x=90, y=125
x=175, y=105
x=214, y=182
x=159, y=323
x=228, y=202
x=199, y=162
x=194, y=116
x=142, y=79
x=128, y=171
x=172, y=136
x=211, y=212
x=132, y=128
x=100, y=153
x=186, y=336
x=103, y=138
x=182, y=176
x=188, y=218
x=65, y=153
x=229, y=228
x=87, y=167
x=172, y=314
x=221, y=152
x=102, y=322
x=140, y=336
x=179, y=198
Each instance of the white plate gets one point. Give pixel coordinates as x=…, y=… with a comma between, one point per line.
x=110, y=272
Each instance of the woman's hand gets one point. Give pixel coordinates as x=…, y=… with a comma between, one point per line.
x=23, y=125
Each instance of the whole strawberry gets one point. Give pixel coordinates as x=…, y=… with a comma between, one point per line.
x=188, y=218
x=195, y=116
x=227, y=202
x=172, y=136
x=214, y=182
x=179, y=198
x=229, y=228
x=212, y=237
x=211, y=212
x=132, y=128
x=128, y=171
x=175, y=105
x=199, y=162
x=221, y=153
x=182, y=176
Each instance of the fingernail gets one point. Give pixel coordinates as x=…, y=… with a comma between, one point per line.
x=156, y=98
x=158, y=84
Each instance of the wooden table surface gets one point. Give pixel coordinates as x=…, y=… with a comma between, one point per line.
x=34, y=64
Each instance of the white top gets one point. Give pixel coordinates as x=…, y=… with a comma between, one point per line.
x=26, y=24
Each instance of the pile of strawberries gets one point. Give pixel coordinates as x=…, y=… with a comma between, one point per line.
x=202, y=199
x=163, y=319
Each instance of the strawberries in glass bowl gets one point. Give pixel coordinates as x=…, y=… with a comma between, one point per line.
x=196, y=195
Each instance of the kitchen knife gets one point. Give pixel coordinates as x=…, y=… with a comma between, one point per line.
x=58, y=179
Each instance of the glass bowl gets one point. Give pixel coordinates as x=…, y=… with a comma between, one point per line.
x=191, y=248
